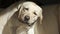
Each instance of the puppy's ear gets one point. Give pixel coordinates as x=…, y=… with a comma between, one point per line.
x=40, y=17
x=20, y=8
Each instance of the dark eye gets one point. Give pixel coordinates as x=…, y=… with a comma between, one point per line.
x=26, y=8
x=35, y=13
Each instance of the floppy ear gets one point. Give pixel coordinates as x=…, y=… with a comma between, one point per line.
x=40, y=17
x=20, y=8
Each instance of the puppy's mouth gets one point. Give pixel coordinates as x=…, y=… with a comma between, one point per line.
x=25, y=22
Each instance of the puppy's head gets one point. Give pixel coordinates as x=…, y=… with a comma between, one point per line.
x=29, y=12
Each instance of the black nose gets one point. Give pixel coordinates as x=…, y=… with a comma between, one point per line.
x=26, y=18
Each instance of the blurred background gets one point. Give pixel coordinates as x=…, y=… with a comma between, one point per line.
x=51, y=13
x=6, y=3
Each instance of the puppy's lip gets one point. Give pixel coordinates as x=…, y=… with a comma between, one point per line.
x=26, y=22
x=31, y=23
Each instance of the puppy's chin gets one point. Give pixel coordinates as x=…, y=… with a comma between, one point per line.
x=27, y=23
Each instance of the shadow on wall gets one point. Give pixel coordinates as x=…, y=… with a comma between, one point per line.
x=50, y=22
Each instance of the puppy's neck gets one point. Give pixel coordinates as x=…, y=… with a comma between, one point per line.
x=31, y=30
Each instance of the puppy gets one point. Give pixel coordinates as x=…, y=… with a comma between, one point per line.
x=23, y=18
x=29, y=14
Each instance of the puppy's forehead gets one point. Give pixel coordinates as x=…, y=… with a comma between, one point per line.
x=31, y=5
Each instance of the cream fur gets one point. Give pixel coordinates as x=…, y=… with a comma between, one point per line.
x=11, y=20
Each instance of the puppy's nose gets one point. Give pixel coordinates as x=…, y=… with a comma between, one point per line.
x=26, y=18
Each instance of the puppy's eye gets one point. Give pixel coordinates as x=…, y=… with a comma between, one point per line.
x=35, y=13
x=26, y=8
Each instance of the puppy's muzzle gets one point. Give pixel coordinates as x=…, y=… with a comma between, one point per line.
x=26, y=18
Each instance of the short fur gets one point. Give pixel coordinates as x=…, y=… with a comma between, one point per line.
x=14, y=25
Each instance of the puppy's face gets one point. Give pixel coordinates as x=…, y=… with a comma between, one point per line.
x=29, y=13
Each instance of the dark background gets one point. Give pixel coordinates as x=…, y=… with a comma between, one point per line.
x=6, y=3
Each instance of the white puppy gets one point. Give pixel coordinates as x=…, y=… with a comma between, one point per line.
x=22, y=19
x=29, y=14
